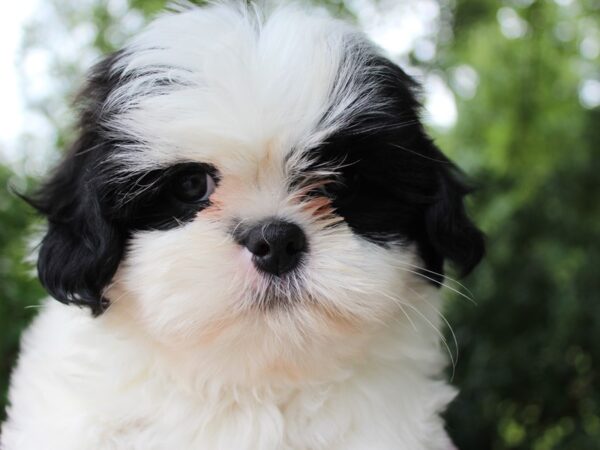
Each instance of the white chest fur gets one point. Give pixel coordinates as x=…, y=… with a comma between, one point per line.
x=78, y=387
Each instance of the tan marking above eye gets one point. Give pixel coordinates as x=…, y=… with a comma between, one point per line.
x=318, y=206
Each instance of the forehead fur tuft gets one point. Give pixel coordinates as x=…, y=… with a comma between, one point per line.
x=227, y=73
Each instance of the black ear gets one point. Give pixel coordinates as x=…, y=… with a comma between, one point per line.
x=82, y=248
x=451, y=234
x=430, y=181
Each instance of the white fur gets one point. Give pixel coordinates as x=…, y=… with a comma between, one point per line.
x=183, y=359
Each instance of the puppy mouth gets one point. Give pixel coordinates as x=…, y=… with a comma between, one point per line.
x=280, y=292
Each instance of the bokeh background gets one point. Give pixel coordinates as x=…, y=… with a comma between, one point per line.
x=511, y=90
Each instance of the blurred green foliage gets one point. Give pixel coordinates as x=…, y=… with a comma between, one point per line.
x=18, y=292
x=529, y=351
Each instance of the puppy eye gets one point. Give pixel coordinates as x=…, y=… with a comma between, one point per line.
x=193, y=186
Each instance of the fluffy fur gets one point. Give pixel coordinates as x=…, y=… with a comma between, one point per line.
x=290, y=115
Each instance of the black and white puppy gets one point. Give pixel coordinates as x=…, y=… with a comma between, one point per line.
x=258, y=222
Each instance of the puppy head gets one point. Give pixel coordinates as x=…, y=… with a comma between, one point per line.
x=233, y=169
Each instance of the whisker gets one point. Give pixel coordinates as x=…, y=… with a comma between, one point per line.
x=439, y=283
x=443, y=317
x=420, y=154
x=32, y=306
x=399, y=301
x=433, y=272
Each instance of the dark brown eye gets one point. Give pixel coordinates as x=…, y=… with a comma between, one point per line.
x=193, y=186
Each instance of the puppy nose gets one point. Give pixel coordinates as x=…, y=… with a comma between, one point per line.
x=277, y=246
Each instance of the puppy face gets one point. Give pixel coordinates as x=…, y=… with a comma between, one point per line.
x=237, y=174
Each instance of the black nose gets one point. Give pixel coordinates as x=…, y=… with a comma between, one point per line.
x=277, y=246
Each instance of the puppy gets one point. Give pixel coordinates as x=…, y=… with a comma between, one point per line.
x=246, y=244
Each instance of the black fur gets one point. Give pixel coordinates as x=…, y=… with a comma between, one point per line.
x=90, y=213
x=396, y=185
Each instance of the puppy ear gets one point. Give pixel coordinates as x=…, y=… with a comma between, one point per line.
x=451, y=233
x=82, y=248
